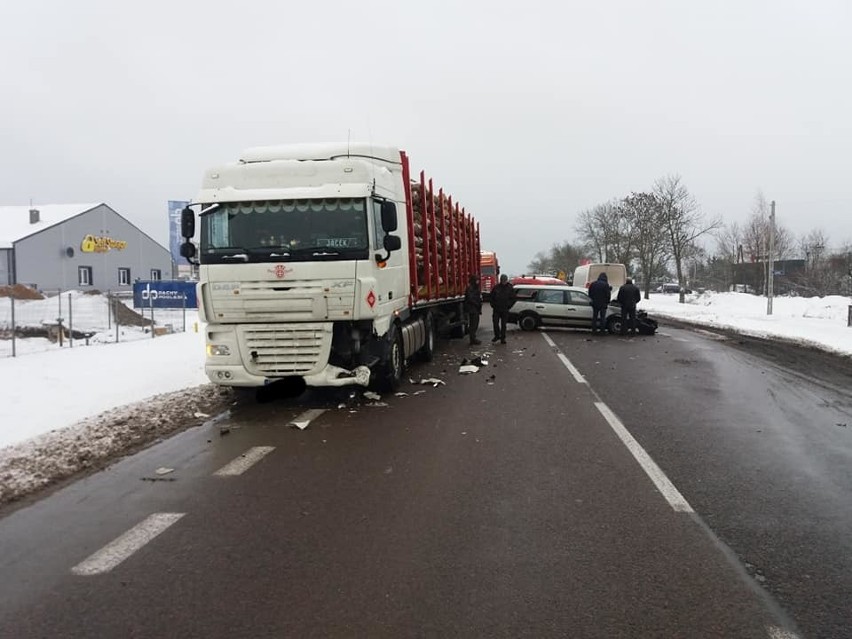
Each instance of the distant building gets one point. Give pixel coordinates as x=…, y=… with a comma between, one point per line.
x=76, y=246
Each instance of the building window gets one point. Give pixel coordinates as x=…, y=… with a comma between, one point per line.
x=123, y=276
x=84, y=275
x=156, y=274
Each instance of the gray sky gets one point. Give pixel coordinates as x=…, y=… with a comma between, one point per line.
x=526, y=112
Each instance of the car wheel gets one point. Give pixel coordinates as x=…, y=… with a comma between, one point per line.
x=528, y=322
x=613, y=325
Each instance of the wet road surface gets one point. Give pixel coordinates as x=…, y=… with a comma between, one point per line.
x=509, y=506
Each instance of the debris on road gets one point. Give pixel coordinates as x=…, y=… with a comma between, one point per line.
x=200, y=415
x=224, y=430
x=400, y=394
x=479, y=361
x=420, y=392
x=377, y=404
x=434, y=381
x=164, y=471
x=371, y=395
x=467, y=369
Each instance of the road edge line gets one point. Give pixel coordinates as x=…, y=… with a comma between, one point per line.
x=578, y=377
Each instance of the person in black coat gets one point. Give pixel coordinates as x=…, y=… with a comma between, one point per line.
x=473, y=308
x=601, y=293
x=628, y=296
x=502, y=298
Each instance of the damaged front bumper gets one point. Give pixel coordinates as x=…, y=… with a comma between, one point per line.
x=225, y=375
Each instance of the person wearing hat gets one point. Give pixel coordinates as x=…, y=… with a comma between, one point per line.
x=502, y=298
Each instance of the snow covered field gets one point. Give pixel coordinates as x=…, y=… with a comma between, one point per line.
x=816, y=321
x=63, y=410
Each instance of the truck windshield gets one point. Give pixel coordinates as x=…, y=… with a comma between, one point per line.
x=285, y=230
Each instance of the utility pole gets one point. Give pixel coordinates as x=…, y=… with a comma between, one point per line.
x=770, y=291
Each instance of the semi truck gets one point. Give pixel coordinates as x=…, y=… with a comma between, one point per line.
x=489, y=271
x=326, y=264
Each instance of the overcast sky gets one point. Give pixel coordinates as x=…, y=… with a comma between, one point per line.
x=527, y=112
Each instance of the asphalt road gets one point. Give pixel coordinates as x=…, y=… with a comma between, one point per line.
x=506, y=503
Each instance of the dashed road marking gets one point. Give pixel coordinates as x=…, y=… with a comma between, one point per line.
x=663, y=484
x=124, y=546
x=573, y=370
x=245, y=461
x=301, y=422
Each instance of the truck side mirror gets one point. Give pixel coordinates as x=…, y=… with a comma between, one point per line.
x=187, y=224
x=392, y=243
x=187, y=250
x=389, y=221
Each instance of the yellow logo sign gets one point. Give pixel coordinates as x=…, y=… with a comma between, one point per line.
x=94, y=244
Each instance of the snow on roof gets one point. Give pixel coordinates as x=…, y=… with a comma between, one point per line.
x=15, y=220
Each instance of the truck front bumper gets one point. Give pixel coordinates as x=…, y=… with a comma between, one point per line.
x=225, y=375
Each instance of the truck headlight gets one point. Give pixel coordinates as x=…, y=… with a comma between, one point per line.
x=217, y=350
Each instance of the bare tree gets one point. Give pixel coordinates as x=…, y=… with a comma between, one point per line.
x=644, y=215
x=608, y=232
x=560, y=258
x=682, y=220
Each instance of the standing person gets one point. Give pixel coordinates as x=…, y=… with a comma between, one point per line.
x=601, y=293
x=473, y=307
x=502, y=298
x=628, y=296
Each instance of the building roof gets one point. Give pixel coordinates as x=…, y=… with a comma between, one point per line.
x=15, y=220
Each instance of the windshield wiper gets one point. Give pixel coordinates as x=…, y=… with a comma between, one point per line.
x=324, y=253
x=236, y=256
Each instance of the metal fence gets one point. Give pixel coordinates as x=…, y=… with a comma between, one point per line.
x=72, y=319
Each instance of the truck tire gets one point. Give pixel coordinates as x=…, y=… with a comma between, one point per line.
x=528, y=322
x=392, y=366
x=428, y=351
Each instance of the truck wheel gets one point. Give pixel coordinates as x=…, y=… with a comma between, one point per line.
x=613, y=325
x=392, y=366
x=428, y=350
x=528, y=322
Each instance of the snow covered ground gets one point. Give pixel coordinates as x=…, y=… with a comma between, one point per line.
x=816, y=321
x=67, y=409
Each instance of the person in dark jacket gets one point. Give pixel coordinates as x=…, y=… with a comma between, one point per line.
x=601, y=293
x=473, y=307
x=628, y=296
x=502, y=298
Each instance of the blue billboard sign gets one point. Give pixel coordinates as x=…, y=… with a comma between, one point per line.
x=175, y=239
x=164, y=294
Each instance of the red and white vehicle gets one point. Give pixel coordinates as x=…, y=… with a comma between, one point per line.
x=326, y=263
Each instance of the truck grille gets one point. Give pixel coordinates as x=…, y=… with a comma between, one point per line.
x=276, y=351
x=259, y=301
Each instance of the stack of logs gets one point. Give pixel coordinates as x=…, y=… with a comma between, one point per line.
x=448, y=246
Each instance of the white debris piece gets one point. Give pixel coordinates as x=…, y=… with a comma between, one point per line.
x=468, y=369
x=400, y=394
x=164, y=471
x=302, y=421
x=434, y=381
x=200, y=415
x=420, y=392
x=371, y=395
x=377, y=404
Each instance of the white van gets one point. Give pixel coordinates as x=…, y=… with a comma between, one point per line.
x=616, y=275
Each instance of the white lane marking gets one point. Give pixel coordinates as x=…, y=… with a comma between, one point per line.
x=577, y=376
x=779, y=633
x=301, y=422
x=664, y=334
x=245, y=461
x=122, y=547
x=663, y=484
